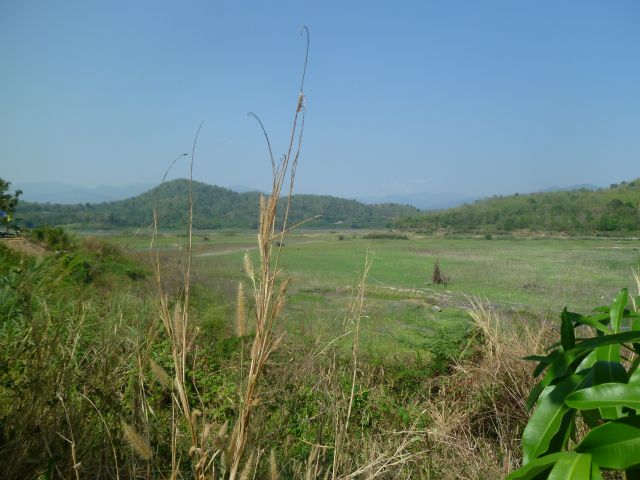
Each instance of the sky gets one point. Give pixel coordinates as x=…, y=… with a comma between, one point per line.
x=478, y=98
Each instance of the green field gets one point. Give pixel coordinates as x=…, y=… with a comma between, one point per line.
x=84, y=320
x=404, y=313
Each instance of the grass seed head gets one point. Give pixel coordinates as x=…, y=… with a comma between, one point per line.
x=273, y=465
x=240, y=311
x=137, y=443
x=161, y=375
x=248, y=468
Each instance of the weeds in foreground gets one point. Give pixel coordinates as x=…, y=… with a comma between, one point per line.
x=269, y=296
x=315, y=408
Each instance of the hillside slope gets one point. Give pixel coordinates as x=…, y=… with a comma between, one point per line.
x=614, y=210
x=214, y=207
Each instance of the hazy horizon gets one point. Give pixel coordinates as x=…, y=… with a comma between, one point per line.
x=422, y=97
x=65, y=193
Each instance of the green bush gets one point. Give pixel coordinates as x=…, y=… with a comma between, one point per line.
x=63, y=345
x=596, y=378
x=385, y=236
x=55, y=238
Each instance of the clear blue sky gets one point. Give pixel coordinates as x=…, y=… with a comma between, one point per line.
x=476, y=97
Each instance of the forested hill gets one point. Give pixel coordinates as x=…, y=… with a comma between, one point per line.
x=614, y=210
x=214, y=207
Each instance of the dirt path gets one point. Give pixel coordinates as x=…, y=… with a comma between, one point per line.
x=22, y=245
x=227, y=251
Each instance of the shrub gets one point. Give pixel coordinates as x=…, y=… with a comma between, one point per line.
x=593, y=379
x=385, y=236
x=437, y=277
x=55, y=238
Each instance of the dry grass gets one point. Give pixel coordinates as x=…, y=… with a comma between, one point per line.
x=635, y=272
x=478, y=412
x=268, y=288
x=437, y=277
x=241, y=319
x=269, y=292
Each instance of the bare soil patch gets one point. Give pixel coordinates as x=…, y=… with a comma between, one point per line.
x=22, y=245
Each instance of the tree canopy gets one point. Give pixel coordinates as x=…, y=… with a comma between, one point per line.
x=213, y=207
x=8, y=201
x=609, y=211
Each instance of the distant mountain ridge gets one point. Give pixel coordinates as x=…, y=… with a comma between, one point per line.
x=423, y=201
x=581, y=186
x=64, y=193
x=613, y=210
x=444, y=200
x=56, y=192
x=214, y=207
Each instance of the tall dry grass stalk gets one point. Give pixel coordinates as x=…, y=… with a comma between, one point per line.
x=175, y=320
x=379, y=455
x=240, y=311
x=269, y=292
x=352, y=321
x=269, y=289
x=636, y=277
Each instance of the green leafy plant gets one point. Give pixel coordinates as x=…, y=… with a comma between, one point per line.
x=596, y=378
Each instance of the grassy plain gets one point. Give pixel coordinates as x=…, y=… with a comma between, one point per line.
x=405, y=314
x=91, y=314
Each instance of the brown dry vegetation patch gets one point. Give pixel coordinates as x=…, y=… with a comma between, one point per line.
x=23, y=246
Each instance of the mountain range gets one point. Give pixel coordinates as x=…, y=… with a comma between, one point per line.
x=605, y=211
x=214, y=207
x=64, y=193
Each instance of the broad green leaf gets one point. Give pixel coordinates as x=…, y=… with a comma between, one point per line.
x=617, y=309
x=608, y=372
x=534, y=395
x=613, y=339
x=537, y=358
x=572, y=467
x=606, y=395
x=615, y=444
x=558, y=369
x=608, y=353
x=555, y=345
x=547, y=420
x=594, y=321
x=587, y=362
x=635, y=323
x=534, y=468
x=611, y=353
x=595, y=471
x=545, y=361
x=567, y=430
x=567, y=335
x=634, y=371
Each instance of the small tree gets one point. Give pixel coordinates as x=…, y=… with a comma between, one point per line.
x=8, y=202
